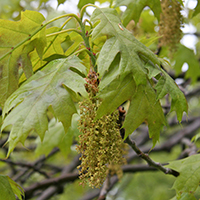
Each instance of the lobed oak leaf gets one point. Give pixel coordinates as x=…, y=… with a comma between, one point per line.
x=132, y=52
x=134, y=9
x=144, y=107
x=55, y=86
x=189, y=178
x=166, y=85
x=14, y=37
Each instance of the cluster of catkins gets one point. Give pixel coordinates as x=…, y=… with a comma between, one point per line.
x=100, y=143
x=170, y=24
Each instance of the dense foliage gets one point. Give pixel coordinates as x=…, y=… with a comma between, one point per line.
x=95, y=96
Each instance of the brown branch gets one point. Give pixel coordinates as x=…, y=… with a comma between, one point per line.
x=27, y=165
x=49, y=192
x=105, y=189
x=149, y=160
x=188, y=132
x=25, y=174
x=49, y=182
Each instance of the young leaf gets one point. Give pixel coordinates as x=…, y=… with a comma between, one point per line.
x=8, y=189
x=76, y=40
x=17, y=189
x=56, y=137
x=53, y=48
x=114, y=94
x=134, y=9
x=53, y=136
x=120, y=40
x=189, y=178
x=144, y=107
x=14, y=37
x=5, y=189
x=132, y=55
x=186, y=55
x=54, y=86
x=166, y=85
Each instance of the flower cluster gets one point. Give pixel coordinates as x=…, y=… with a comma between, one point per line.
x=171, y=21
x=100, y=143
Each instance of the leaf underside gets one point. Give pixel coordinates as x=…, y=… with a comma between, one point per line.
x=189, y=178
x=53, y=87
x=122, y=65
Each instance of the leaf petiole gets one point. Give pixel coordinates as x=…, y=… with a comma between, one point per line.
x=64, y=31
x=83, y=9
x=71, y=15
x=86, y=20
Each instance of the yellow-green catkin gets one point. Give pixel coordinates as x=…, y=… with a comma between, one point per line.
x=100, y=144
x=170, y=24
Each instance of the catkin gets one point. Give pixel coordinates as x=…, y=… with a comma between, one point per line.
x=170, y=24
x=100, y=143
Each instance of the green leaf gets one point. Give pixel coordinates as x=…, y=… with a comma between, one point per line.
x=197, y=9
x=56, y=137
x=189, y=178
x=54, y=42
x=54, y=86
x=135, y=7
x=186, y=55
x=17, y=189
x=53, y=47
x=52, y=138
x=67, y=141
x=120, y=40
x=8, y=189
x=114, y=94
x=14, y=38
x=144, y=107
x=152, y=71
x=121, y=47
x=76, y=40
x=166, y=85
x=81, y=3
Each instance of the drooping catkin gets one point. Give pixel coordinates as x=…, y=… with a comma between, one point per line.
x=170, y=24
x=100, y=142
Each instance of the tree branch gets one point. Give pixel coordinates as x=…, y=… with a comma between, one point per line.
x=49, y=192
x=149, y=160
x=52, y=181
